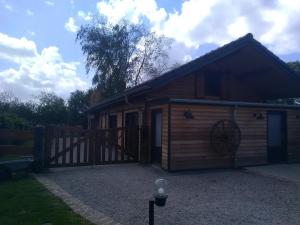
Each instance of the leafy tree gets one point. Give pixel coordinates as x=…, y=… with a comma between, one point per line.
x=13, y=121
x=47, y=109
x=295, y=66
x=14, y=113
x=77, y=103
x=51, y=109
x=121, y=55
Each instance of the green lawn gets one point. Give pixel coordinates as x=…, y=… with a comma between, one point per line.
x=24, y=201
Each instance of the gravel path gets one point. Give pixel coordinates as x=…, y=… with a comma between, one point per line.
x=121, y=192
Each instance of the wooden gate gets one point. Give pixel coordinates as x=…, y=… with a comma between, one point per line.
x=69, y=146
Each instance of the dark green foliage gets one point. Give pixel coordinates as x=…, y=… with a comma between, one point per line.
x=12, y=121
x=120, y=55
x=295, y=66
x=15, y=114
x=51, y=109
x=47, y=109
x=77, y=103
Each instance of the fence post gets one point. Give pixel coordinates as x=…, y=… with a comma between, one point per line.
x=144, y=147
x=39, y=151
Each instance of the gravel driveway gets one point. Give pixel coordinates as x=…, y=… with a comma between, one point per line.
x=207, y=197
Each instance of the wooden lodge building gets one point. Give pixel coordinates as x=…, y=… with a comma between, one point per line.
x=212, y=112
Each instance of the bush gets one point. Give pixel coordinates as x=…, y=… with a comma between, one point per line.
x=12, y=121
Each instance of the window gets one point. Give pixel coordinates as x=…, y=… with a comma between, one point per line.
x=212, y=85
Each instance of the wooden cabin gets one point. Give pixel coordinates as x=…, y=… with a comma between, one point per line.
x=213, y=112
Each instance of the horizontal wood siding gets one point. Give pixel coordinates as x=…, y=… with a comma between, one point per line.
x=293, y=140
x=253, y=146
x=193, y=87
x=181, y=88
x=164, y=150
x=190, y=138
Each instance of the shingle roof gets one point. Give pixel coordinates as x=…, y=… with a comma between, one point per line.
x=190, y=67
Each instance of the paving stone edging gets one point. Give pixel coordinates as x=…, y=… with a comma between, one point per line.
x=75, y=204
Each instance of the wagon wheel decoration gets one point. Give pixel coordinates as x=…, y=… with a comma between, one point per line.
x=225, y=137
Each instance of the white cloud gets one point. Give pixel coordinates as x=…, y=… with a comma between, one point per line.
x=187, y=58
x=8, y=7
x=36, y=72
x=133, y=10
x=72, y=2
x=29, y=12
x=49, y=3
x=85, y=16
x=274, y=23
x=17, y=50
x=71, y=26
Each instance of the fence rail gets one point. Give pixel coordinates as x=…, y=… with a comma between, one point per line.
x=16, y=134
x=77, y=147
x=16, y=142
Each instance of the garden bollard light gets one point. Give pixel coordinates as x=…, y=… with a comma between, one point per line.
x=159, y=198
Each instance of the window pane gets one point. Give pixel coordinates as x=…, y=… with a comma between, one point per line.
x=212, y=85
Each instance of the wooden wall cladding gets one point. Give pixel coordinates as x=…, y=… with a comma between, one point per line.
x=253, y=146
x=181, y=88
x=293, y=137
x=190, y=138
x=164, y=149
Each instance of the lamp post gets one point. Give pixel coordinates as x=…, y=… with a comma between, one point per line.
x=159, y=198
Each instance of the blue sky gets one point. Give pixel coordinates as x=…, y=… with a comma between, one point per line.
x=37, y=37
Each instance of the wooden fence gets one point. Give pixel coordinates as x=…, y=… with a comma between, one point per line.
x=66, y=146
x=16, y=142
x=54, y=146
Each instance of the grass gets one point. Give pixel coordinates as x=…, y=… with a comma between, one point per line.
x=24, y=201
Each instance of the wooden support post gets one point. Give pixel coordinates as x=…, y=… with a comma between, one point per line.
x=104, y=145
x=71, y=148
x=110, y=133
x=64, y=146
x=39, y=150
x=122, y=144
x=85, y=150
x=115, y=143
x=57, y=133
x=78, y=148
x=235, y=157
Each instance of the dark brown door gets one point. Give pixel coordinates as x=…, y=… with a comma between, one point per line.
x=276, y=137
x=112, y=122
x=132, y=134
x=156, y=128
